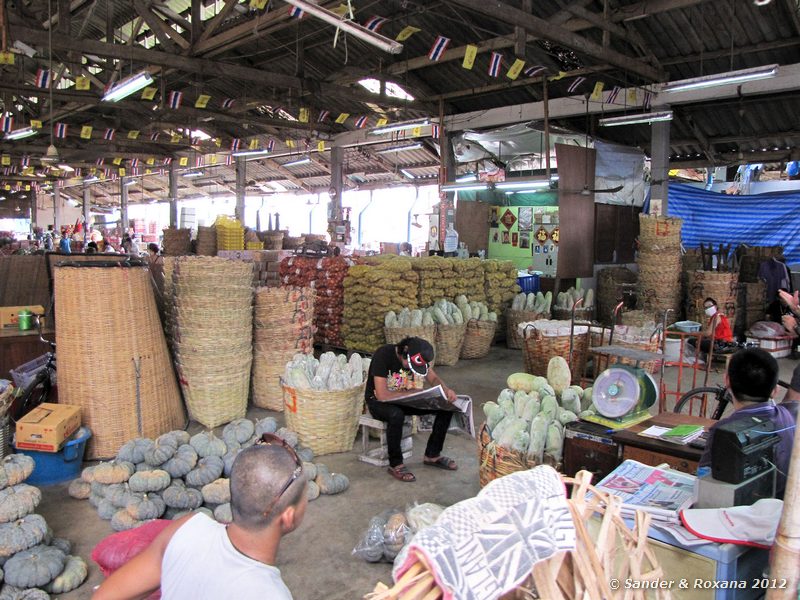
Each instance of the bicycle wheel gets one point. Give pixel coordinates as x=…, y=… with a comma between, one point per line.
x=699, y=396
x=36, y=393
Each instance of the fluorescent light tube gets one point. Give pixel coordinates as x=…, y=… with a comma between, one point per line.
x=461, y=187
x=126, y=181
x=91, y=179
x=408, y=174
x=416, y=146
x=66, y=168
x=521, y=185
x=299, y=161
x=722, y=79
x=464, y=178
x=198, y=173
x=359, y=31
x=126, y=87
x=250, y=153
x=399, y=127
x=19, y=134
x=652, y=117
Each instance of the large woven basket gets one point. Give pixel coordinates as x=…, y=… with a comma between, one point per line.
x=538, y=349
x=513, y=319
x=495, y=461
x=602, y=362
x=282, y=327
x=325, y=421
x=124, y=382
x=659, y=233
x=273, y=240
x=581, y=313
x=394, y=335
x=177, y=242
x=722, y=286
x=449, y=339
x=478, y=338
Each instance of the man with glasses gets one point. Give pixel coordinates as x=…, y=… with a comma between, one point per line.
x=718, y=326
x=197, y=558
x=394, y=371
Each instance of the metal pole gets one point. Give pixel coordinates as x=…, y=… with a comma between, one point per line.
x=87, y=200
x=337, y=165
x=56, y=207
x=173, y=196
x=241, y=184
x=123, y=203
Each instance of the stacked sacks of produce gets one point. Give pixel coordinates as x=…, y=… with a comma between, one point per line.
x=436, y=279
x=389, y=532
x=450, y=330
x=566, y=300
x=481, y=326
x=500, y=286
x=417, y=322
x=469, y=278
x=213, y=336
x=525, y=307
x=35, y=563
x=282, y=327
x=525, y=427
x=177, y=473
x=370, y=291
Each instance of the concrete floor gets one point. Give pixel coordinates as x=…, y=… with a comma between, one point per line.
x=315, y=560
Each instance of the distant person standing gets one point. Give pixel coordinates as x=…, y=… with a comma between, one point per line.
x=127, y=243
x=64, y=245
x=48, y=238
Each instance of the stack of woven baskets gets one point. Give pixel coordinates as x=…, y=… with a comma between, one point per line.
x=177, y=242
x=282, y=327
x=206, y=241
x=212, y=336
x=273, y=240
x=613, y=283
x=545, y=339
x=659, y=263
x=720, y=285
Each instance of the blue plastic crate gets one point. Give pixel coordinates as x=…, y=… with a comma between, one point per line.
x=529, y=283
x=55, y=467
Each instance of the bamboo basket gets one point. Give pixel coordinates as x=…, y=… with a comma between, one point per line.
x=538, y=349
x=177, y=242
x=273, y=240
x=126, y=387
x=513, y=319
x=282, y=327
x=722, y=286
x=658, y=233
x=394, y=335
x=478, y=339
x=325, y=421
x=449, y=339
x=206, y=241
x=565, y=314
x=612, y=285
x=495, y=461
x=602, y=362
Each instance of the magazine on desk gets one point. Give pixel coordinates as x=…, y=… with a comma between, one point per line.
x=661, y=492
x=430, y=399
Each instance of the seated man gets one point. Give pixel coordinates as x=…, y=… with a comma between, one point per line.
x=197, y=558
x=717, y=326
x=752, y=377
x=394, y=371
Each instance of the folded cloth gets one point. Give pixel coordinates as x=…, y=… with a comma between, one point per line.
x=753, y=525
x=486, y=546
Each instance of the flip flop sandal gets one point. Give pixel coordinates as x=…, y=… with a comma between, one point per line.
x=443, y=462
x=402, y=474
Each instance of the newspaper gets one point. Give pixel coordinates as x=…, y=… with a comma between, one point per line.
x=661, y=492
x=430, y=399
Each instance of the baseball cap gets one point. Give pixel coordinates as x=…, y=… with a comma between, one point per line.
x=418, y=352
x=753, y=525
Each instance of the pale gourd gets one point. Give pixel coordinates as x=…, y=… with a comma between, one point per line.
x=304, y=453
x=558, y=374
x=310, y=470
x=494, y=414
x=223, y=514
x=163, y=449
x=178, y=437
x=9, y=592
x=113, y=472
x=88, y=474
x=571, y=400
x=106, y=509
x=217, y=492
x=521, y=381
x=21, y=535
x=143, y=466
x=122, y=521
x=266, y=425
x=555, y=442
x=510, y=432
x=35, y=567
x=94, y=499
x=520, y=403
x=79, y=489
x=134, y=450
x=586, y=399
x=207, y=470
x=499, y=429
x=183, y=461
x=74, y=574
x=227, y=461
x=532, y=408
x=149, y=481
x=16, y=468
x=330, y=483
x=507, y=404
x=99, y=489
x=312, y=491
x=18, y=501
x=565, y=416
x=238, y=431
x=207, y=444
x=143, y=507
x=546, y=389
x=118, y=494
x=48, y=536
x=179, y=496
x=62, y=544
x=288, y=436
x=538, y=438
x=520, y=441
x=549, y=407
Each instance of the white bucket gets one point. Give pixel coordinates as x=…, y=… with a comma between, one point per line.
x=672, y=349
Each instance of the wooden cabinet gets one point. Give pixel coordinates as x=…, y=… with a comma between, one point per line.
x=589, y=447
x=653, y=458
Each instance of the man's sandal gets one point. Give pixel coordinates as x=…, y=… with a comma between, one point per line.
x=443, y=462
x=402, y=473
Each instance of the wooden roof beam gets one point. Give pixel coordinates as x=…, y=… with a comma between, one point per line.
x=167, y=36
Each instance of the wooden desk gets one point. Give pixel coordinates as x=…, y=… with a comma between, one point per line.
x=18, y=347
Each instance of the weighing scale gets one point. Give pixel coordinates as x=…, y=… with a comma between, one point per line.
x=622, y=396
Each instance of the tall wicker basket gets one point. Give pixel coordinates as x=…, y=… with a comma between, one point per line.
x=124, y=381
x=540, y=348
x=282, y=327
x=394, y=335
x=449, y=339
x=478, y=338
x=495, y=461
x=513, y=319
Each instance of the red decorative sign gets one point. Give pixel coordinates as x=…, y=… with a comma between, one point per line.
x=508, y=219
x=554, y=235
x=541, y=235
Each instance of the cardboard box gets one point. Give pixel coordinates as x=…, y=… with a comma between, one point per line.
x=8, y=314
x=47, y=427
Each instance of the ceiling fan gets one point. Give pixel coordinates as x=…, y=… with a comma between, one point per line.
x=51, y=154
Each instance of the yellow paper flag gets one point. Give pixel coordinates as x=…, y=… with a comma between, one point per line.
x=202, y=101
x=149, y=93
x=7, y=187
x=82, y=83
x=381, y=122
x=86, y=132
x=342, y=118
x=27, y=171
x=6, y=58
x=561, y=75
x=212, y=159
x=469, y=56
x=5, y=160
x=133, y=134
x=253, y=145
x=218, y=142
x=340, y=10
x=303, y=116
x=117, y=160
x=122, y=171
x=290, y=143
x=183, y=161
x=36, y=123
x=515, y=69
x=150, y=161
x=416, y=132
x=176, y=137
x=406, y=33
x=27, y=188
x=631, y=97
x=597, y=92
x=320, y=146
x=148, y=171
x=258, y=4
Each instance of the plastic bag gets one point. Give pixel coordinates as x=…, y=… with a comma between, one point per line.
x=370, y=544
x=420, y=516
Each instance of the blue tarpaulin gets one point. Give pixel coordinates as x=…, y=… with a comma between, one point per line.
x=764, y=220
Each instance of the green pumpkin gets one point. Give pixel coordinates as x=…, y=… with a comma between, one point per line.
x=79, y=489
x=35, y=567
x=177, y=495
x=113, y=472
x=15, y=469
x=119, y=494
x=223, y=514
x=134, y=450
x=184, y=460
x=122, y=521
x=207, y=470
x=217, y=492
x=9, y=592
x=238, y=431
x=160, y=452
x=144, y=507
x=149, y=481
x=266, y=425
x=21, y=535
x=18, y=501
x=106, y=509
x=207, y=444
x=74, y=574
x=62, y=544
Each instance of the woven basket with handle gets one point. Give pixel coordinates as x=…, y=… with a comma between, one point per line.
x=513, y=319
x=539, y=349
x=495, y=461
x=449, y=339
x=478, y=338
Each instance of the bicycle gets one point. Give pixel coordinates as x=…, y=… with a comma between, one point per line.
x=34, y=379
x=721, y=394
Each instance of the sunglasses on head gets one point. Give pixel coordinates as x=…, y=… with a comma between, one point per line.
x=270, y=439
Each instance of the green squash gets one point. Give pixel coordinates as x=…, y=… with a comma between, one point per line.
x=15, y=469
x=79, y=489
x=183, y=461
x=207, y=470
x=238, y=431
x=134, y=450
x=9, y=592
x=177, y=495
x=35, y=567
x=113, y=472
x=161, y=452
x=144, y=507
x=217, y=492
x=73, y=575
x=207, y=444
x=223, y=514
x=18, y=501
x=149, y=481
x=21, y=535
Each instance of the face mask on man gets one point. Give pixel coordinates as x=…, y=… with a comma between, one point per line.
x=711, y=311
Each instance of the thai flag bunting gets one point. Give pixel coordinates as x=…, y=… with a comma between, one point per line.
x=295, y=12
x=236, y=143
x=61, y=130
x=78, y=172
x=575, y=84
x=26, y=161
x=99, y=161
x=198, y=161
x=534, y=70
x=374, y=23
x=175, y=99
x=612, y=96
x=435, y=131
x=106, y=173
x=361, y=122
x=228, y=102
x=228, y=160
x=109, y=134
x=60, y=183
x=168, y=160
x=270, y=145
x=42, y=78
x=113, y=176
x=494, y=64
x=6, y=123
x=323, y=115
x=134, y=162
x=648, y=98
x=154, y=136
x=438, y=48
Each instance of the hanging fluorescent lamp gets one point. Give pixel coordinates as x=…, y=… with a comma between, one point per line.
x=399, y=127
x=126, y=87
x=728, y=78
x=91, y=179
x=408, y=174
x=19, y=134
x=416, y=146
x=299, y=161
x=467, y=177
x=464, y=187
x=652, y=117
x=522, y=184
x=359, y=31
x=197, y=173
x=250, y=153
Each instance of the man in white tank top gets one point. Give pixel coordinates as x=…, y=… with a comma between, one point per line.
x=197, y=558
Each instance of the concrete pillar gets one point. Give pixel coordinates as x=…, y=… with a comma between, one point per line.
x=87, y=203
x=446, y=199
x=57, y=217
x=659, y=166
x=123, y=203
x=337, y=178
x=241, y=186
x=173, y=196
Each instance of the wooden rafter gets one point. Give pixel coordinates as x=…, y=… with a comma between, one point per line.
x=218, y=19
x=167, y=36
